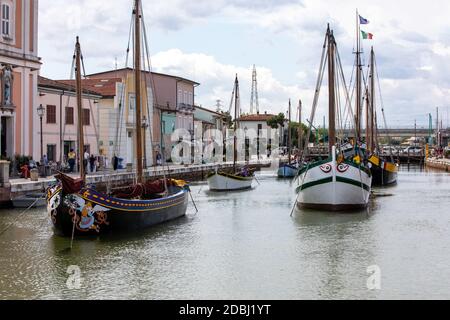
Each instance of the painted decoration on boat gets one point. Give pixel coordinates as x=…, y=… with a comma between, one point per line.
x=53, y=201
x=85, y=215
x=326, y=168
x=343, y=167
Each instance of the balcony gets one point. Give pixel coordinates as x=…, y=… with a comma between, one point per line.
x=185, y=107
x=7, y=107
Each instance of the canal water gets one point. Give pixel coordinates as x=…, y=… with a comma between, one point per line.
x=246, y=246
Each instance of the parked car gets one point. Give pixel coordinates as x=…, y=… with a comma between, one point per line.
x=413, y=150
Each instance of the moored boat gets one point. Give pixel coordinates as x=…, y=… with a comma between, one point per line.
x=334, y=186
x=384, y=172
x=237, y=180
x=76, y=208
x=287, y=171
x=220, y=181
x=342, y=182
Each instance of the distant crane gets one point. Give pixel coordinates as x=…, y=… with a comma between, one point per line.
x=254, y=104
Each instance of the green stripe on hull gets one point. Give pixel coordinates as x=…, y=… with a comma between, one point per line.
x=314, y=183
x=353, y=182
x=329, y=180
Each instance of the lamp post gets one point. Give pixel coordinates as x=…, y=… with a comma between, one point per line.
x=41, y=112
x=247, y=155
x=145, y=125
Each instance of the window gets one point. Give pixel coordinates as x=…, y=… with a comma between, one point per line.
x=132, y=100
x=186, y=98
x=51, y=114
x=51, y=152
x=6, y=20
x=191, y=100
x=69, y=115
x=180, y=96
x=86, y=117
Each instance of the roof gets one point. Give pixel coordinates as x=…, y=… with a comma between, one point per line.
x=62, y=85
x=155, y=73
x=106, y=87
x=256, y=117
x=218, y=114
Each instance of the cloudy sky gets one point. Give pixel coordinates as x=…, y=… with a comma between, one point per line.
x=209, y=41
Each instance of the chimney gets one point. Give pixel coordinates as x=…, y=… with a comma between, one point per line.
x=265, y=112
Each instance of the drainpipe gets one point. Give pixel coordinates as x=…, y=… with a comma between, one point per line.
x=61, y=138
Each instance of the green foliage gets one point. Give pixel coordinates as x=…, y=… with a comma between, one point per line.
x=228, y=119
x=276, y=121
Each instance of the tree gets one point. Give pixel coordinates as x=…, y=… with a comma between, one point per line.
x=276, y=121
x=228, y=120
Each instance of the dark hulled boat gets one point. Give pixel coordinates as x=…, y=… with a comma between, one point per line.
x=384, y=170
x=76, y=208
x=384, y=173
x=89, y=212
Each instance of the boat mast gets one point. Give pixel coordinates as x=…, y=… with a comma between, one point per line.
x=358, y=77
x=80, y=110
x=289, y=134
x=300, y=129
x=236, y=116
x=372, y=101
x=331, y=91
x=137, y=69
x=368, y=126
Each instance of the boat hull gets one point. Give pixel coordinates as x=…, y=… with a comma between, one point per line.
x=385, y=173
x=287, y=171
x=334, y=187
x=91, y=213
x=226, y=182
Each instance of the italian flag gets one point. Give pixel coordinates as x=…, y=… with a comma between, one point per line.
x=365, y=35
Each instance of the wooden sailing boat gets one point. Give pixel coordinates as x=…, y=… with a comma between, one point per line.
x=342, y=182
x=384, y=170
x=78, y=209
x=238, y=180
x=288, y=170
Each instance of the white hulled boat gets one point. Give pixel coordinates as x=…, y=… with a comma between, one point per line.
x=342, y=182
x=238, y=179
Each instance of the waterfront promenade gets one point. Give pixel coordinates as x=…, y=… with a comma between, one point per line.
x=118, y=178
x=441, y=164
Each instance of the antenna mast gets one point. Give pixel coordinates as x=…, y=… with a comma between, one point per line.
x=254, y=104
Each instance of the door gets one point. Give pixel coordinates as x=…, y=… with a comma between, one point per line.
x=3, y=136
x=130, y=142
x=68, y=145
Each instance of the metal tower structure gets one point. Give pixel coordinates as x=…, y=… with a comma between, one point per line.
x=254, y=104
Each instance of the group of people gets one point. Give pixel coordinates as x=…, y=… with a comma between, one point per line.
x=92, y=162
x=89, y=161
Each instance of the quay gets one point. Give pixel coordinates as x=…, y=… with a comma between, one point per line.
x=441, y=164
x=190, y=173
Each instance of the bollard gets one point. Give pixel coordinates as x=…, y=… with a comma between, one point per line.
x=34, y=175
x=4, y=173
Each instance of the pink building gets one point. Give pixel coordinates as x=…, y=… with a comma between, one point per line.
x=171, y=100
x=19, y=68
x=60, y=121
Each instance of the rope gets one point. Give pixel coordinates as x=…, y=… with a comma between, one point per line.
x=20, y=216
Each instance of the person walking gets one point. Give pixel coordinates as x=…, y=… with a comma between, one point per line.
x=158, y=159
x=71, y=159
x=92, y=161
x=86, y=160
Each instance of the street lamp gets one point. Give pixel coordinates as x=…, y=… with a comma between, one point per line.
x=247, y=155
x=41, y=112
x=145, y=125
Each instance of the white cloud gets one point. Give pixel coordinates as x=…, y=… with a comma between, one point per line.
x=411, y=42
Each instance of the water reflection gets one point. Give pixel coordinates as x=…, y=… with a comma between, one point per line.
x=245, y=245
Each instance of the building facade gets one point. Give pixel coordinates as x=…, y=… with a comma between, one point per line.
x=170, y=102
x=60, y=121
x=19, y=69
